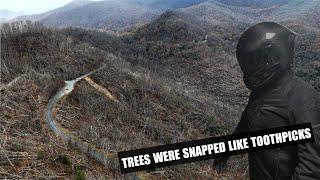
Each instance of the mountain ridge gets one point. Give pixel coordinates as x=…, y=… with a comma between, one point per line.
x=111, y=16
x=6, y=14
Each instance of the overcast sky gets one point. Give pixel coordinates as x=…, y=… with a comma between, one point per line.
x=31, y=6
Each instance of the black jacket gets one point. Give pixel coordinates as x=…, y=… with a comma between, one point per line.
x=287, y=101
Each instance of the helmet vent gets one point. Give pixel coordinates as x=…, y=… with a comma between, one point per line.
x=270, y=35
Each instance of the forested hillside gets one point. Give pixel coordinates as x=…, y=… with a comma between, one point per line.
x=147, y=106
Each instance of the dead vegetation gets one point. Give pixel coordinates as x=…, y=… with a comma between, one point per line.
x=28, y=149
x=149, y=110
x=147, y=114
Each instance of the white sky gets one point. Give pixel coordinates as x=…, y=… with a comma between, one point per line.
x=32, y=6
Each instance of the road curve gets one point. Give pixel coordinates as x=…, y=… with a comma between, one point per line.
x=107, y=159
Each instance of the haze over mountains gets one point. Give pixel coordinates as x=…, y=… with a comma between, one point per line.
x=7, y=15
x=170, y=64
x=110, y=15
x=122, y=15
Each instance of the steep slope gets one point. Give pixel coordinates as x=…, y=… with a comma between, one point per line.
x=34, y=63
x=29, y=46
x=200, y=67
x=147, y=113
x=147, y=108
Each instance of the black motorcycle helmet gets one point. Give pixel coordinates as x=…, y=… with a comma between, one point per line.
x=264, y=52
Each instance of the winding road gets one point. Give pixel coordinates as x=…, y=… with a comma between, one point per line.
x=107, y=159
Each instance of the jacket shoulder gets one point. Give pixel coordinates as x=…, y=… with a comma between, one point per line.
x=301, y=95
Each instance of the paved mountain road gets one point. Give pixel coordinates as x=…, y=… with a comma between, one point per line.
x=107, y=159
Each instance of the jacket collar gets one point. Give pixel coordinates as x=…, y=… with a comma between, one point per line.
x=282, y=79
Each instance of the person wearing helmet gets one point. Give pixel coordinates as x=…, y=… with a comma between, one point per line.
x=278, y=98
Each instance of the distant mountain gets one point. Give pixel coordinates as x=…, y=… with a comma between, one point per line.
x=172, y=26
x=224, y=13
x=254, y=3
x=38, y=17
x=171, y=4
x=7, y=14
x=111, y=15
x=106, y=15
